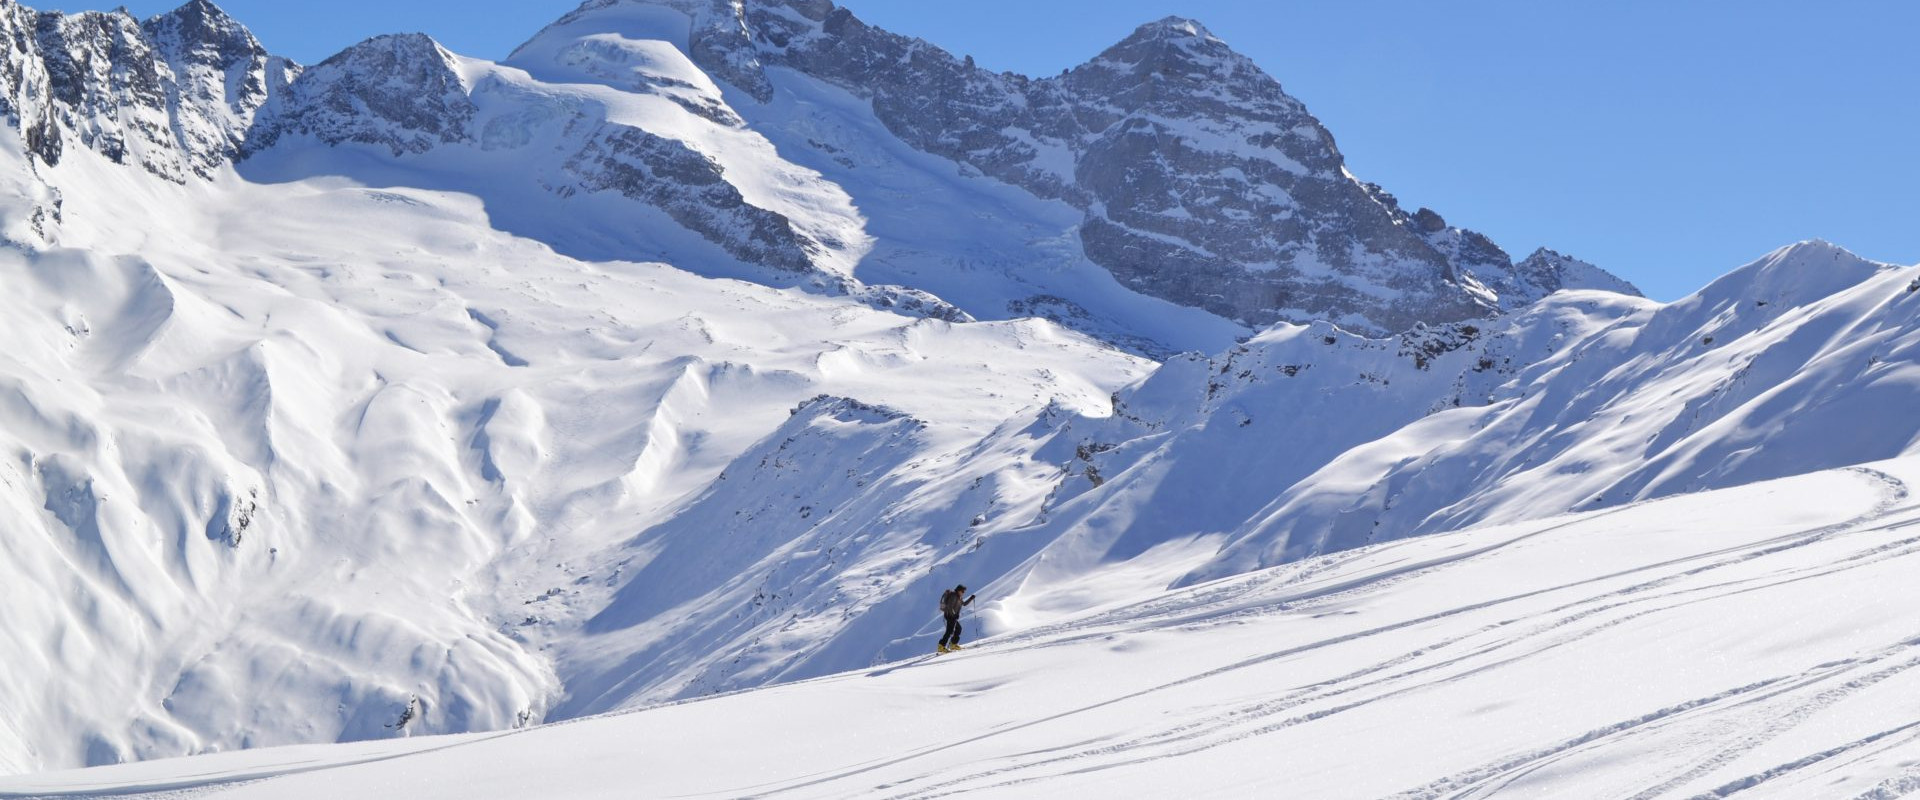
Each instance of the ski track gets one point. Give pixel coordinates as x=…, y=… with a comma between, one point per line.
x=1901, y=785
x=1754, y=780
x=1212, y=733
x=201, y=786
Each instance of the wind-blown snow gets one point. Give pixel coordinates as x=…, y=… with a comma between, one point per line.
x=272, y=485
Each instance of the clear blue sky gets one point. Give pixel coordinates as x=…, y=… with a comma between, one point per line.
x=1667, y=141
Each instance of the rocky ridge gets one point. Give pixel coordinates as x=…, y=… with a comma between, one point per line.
x=1203, y=181
x=175, y=94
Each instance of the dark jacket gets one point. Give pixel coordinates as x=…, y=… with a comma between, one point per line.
x=950, y=603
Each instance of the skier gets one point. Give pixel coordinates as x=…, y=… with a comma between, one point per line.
x=950, y=605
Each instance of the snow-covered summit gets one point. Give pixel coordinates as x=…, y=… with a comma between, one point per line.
x=714, y=33
x=1792, y=276
x=1176, y=26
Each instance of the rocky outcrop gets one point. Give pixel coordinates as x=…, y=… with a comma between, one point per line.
x=1491, y=273
x=1546, y=272
x=692, y=189
x=402, y=93
x=175, y=94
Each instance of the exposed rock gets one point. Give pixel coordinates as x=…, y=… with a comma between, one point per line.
x=174, y=95
x=1546, y=272
x=401, y=92
x=691, y=188
x=1203, y=182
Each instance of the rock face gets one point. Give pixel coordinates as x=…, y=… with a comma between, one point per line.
x=690, y=188
x=174, y=94
x=1202, y=181
x=1492, y=273
x=398, y=92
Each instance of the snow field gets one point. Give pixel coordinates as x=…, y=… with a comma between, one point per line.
x=1749, y=641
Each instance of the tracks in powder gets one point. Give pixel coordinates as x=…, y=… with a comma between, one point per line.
x=1666, y=586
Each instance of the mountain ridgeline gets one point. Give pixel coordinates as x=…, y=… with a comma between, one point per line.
x=1194, y=177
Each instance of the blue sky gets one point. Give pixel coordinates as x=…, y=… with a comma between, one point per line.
x=1667, y=141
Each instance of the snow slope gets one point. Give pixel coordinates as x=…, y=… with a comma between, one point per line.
x=1750, y=642
x=439, y=478
x=1801, y=361
x=268, y=484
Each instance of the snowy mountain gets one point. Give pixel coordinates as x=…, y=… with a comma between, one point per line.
x=1194, y=178
x=698, y=345
x=777, y=141
x=1584, y=401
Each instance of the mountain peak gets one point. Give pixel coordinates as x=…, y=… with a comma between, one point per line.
x=1820, y=255
x=1547, y=271
x=417, y=54
x=414, y=43
x=1181, y=48
x=1792, y=276
x=716, y=37
x=203, y=9
x=1175, y=33
x=399, y=91
x=1175, y=27
x=203, y=22
x=1813, y=248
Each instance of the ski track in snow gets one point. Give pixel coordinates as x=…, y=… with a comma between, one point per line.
x=1185, y=740
x=1212, y=733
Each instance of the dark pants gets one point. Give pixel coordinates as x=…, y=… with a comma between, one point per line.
x=953, y=631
